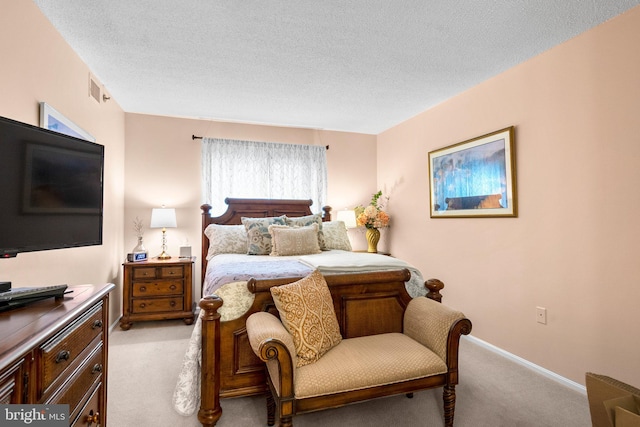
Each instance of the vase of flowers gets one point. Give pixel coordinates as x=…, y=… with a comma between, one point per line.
x=373, y=237
x=373, y=217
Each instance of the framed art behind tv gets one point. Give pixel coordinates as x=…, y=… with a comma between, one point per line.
x=474, y=178
x=51, y=119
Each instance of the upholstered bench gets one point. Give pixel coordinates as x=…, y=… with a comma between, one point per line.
x=311, y=366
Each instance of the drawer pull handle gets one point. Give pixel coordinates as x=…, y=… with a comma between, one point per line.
x=143, y=289
x=97, y=368
x=63, y=356
x=93, y=418
x=97, y=324
x=172, y=287
x=143, y=305
x=172, y=303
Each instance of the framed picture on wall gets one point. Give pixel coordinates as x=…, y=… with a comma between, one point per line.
x=474, y=178
x=51, y=119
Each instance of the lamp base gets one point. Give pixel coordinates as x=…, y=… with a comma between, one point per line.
x=164, y=255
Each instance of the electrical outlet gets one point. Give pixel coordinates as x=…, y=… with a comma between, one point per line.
x=541, y=315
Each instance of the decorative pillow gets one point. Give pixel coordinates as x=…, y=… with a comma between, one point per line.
x=303, y=221
x=294, y=240
x=259, y=239
x=226, y=239
x=335, y=236
x=306, y=310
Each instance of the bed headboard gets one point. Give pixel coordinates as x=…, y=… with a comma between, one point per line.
x=253, y=208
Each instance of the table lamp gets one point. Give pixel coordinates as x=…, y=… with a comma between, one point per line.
x=348, y=216
x=163, y=218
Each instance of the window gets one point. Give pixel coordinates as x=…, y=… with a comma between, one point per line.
x=249, y=169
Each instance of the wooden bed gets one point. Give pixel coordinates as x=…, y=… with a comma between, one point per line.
x=229, y=367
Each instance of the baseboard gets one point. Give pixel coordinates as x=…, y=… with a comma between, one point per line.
x=519, y=360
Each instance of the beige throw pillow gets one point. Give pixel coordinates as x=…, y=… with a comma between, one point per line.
x=303, y=221
x=294, y=240
x=306, y=310
x=226, y=239
x=335, y=236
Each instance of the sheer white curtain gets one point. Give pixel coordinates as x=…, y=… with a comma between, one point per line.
x=249, y=169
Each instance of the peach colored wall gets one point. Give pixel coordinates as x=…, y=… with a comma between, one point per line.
x=162, y=166
x=38, y=65
x=573, y=248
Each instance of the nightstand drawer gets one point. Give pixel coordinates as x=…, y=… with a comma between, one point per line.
x=157, y=288
x=144, y=273
x=157, y=305
x=173, y=271
x=62, y=349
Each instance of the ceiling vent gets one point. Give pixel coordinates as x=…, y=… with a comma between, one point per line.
x=94, y=89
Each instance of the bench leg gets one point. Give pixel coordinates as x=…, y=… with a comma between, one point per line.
x=449, y=397
x=271, y=409
x=409, y=395
x=286, y=421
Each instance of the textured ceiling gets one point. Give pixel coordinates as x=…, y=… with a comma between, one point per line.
x=359, y=66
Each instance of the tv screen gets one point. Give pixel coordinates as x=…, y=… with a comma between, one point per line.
x=51, y=188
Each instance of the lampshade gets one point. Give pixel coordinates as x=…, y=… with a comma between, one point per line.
x=163, y=218
x=348, y=216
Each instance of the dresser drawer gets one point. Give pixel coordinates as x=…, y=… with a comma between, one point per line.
x=60, y=352
x=82, y=381
x=157, y=288
x=10, y=384
x=90, y=414
x=157, y=305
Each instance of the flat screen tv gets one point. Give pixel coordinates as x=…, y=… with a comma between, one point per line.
x=51, y=190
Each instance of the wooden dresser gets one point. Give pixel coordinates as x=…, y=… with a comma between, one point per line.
x=157, y=290
x=55, y=352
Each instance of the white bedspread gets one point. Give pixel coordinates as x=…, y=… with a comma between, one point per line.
x=336, y=261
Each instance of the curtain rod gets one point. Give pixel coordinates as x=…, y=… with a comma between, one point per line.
x=193, y=137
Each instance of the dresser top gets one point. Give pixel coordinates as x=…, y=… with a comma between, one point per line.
x=24, y=328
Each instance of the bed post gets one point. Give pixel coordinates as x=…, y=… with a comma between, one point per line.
x=210, y=410
x=326, y=213
x=434, y=286
x=204, y=250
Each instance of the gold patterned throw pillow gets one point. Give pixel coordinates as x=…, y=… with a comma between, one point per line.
x=306, y=310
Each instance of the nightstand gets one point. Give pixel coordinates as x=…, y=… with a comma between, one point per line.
x=157, y=290
x=379, y=252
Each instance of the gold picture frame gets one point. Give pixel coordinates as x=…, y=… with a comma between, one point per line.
x=475, y=178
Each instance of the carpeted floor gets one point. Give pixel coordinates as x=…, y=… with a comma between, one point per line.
x=494, y=391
